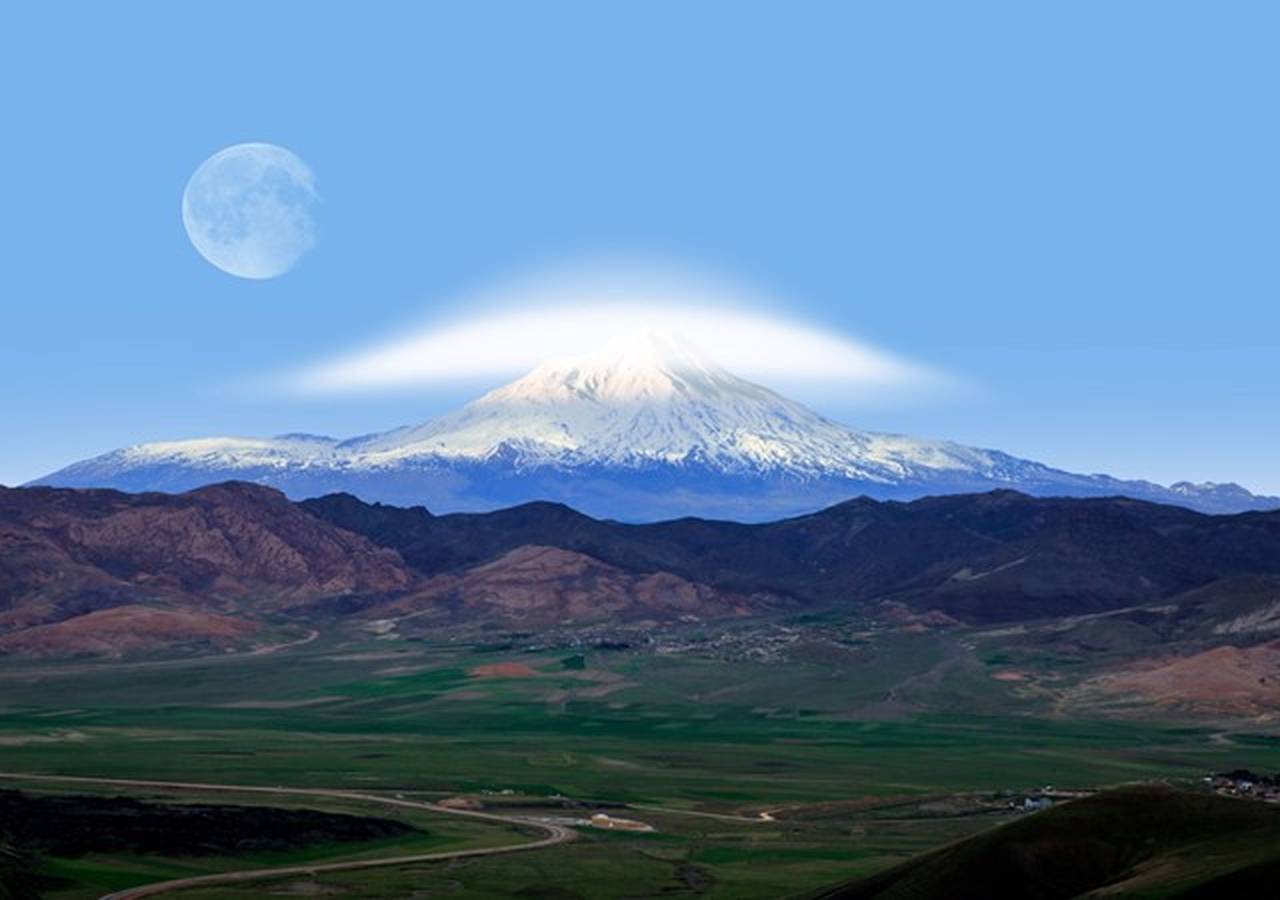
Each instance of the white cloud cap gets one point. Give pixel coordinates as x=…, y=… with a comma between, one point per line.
x=526, y=322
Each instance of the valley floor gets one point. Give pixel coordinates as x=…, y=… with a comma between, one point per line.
x=762, y=774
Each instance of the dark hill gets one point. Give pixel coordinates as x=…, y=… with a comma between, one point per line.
x=72, y=826
x=980, y=557
x=1135, y=842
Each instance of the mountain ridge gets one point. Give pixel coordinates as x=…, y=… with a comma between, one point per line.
x=190, y=569
x=1037, y=556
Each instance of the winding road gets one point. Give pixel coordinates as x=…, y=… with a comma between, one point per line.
x=554, y=834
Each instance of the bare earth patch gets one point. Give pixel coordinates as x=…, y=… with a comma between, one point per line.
x=604, y=690
x=1230, y=680
x=503, y=670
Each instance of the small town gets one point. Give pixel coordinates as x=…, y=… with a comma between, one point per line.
x=1246, y=784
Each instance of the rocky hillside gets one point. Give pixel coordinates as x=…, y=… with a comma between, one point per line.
x=214, y=545
x=227, y=566
x=983, y=558
x=533, y=587
x=88, y=571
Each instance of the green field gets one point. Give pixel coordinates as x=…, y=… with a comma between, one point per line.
x=849, y=778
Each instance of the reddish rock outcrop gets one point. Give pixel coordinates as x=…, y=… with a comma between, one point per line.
x=224, y=548
x=539, y=586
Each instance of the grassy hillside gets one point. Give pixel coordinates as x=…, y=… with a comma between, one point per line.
x=1134, y=842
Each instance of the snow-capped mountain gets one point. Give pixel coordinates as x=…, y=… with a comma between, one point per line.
x=640, y=428
x=657, y=400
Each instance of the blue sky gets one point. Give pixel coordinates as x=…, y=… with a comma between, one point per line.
x=1074, y=207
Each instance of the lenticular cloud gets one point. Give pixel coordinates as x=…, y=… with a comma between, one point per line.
x=524, y=324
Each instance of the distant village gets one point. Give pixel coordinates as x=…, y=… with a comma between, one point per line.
x=1246, y=784
x=770, y=642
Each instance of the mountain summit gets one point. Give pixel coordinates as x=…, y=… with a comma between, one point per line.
x=642, y=427
x=654, y=399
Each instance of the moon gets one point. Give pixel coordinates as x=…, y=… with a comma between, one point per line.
x=250, y=210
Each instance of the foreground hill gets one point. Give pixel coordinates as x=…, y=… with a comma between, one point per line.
x=1129, y=842
x=641, y=429
x=18, y=879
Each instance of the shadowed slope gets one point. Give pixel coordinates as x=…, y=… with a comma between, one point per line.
x=981, y=557
x=1138, y=841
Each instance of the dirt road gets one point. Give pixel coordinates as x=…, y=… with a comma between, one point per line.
x=555, y=834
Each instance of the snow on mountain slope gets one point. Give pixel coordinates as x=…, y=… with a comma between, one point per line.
x=656, y=399
x=278, y=452
x=640, y=427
